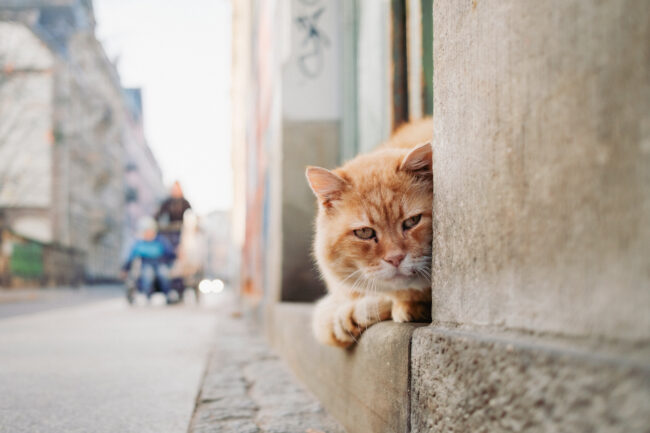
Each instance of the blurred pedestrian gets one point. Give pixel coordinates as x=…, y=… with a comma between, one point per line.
x=191, y=250
x=170, y=214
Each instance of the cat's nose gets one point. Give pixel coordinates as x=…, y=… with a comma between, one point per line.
x=394, y=259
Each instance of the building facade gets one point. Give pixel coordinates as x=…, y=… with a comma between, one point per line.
x=69, y=134
x=144, y=187
x=220, y=260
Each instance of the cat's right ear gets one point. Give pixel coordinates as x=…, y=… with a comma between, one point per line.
x=419, y=160
x=326, y=185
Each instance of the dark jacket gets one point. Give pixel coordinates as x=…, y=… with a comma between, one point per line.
x=171, y=211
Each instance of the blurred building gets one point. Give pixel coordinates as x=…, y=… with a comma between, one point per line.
x=68, y=133
x=220, y=260
x=144, y=187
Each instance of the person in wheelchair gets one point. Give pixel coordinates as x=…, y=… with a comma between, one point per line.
x=155, y=255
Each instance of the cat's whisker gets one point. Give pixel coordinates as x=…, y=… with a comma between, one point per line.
x=369, y=287
x=351, y=275
x=424, y=271
x=357, y=282
x=375, y=292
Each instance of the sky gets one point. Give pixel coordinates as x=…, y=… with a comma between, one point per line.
x=178, y=52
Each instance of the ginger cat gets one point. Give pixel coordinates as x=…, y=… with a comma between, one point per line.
x=373, y=236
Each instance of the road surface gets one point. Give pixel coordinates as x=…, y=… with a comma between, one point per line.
x=99, y=365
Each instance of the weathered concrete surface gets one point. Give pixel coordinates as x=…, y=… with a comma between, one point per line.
x=470, y=382
x=542, y=166
x=304, y=143
x=248, y=389
x=366, y=388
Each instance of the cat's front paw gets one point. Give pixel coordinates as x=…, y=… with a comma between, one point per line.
x=411, y=311
x=340, y=324
x=351, y=319
x=345, y=329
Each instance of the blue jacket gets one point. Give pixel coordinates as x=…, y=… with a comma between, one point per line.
x=154, y=252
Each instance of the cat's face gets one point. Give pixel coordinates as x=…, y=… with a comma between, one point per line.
x=373, y=231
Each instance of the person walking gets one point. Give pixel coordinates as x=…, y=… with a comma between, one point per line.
x=170, y=214
x=170, y=224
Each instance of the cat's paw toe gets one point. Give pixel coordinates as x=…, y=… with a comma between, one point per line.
x=401, y=315
x=346, y=329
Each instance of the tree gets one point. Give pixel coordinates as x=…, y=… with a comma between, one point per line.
x=25, y=117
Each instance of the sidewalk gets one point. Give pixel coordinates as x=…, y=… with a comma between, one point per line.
x=248, y=389
x=17, y=301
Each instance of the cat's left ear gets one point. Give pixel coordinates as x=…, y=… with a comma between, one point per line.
x=419, y=160
x=327, y=186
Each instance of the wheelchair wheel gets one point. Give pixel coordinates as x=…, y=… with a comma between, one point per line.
x=130, y=293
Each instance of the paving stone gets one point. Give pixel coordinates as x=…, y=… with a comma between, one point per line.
x=227, y=426
x=299, y=424
x=219, y=386
x=226, y=409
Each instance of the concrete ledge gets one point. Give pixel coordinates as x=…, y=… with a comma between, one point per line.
x=366, y=388
x=480, y=382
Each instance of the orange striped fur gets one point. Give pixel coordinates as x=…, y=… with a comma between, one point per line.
x=373, y=236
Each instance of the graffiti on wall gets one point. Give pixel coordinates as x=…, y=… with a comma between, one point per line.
x=311, y=57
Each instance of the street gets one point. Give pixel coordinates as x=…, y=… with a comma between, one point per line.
x=99, y=365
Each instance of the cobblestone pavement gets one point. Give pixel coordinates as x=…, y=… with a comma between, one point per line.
x=248, y=389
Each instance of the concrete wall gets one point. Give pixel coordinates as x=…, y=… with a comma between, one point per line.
x=311, y=132
x=312, y=71
x=258, y=69
x=240, y=97
x=542, y=156
x=541, y=208
x=373, y=73
x=304, y=143
x=483, y=382
x=414, y=52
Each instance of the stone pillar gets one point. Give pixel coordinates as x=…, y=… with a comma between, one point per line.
x=541, y=257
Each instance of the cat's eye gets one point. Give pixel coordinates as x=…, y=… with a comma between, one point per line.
x=365, y=233
x=411, y=222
